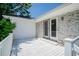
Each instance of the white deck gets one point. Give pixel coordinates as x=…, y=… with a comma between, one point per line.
x=37, y=47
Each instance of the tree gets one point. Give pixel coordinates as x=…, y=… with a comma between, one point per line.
x=14, y=9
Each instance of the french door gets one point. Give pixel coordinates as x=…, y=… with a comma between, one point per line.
x=53, y=29
x=50, y=29
x=46, y=29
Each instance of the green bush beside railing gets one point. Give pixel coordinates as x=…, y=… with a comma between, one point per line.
x=6, y=27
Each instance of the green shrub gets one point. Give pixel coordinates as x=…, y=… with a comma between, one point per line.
x=6, y=27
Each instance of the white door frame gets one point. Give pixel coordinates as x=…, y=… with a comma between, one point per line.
x=49, y=29
x=53, y=38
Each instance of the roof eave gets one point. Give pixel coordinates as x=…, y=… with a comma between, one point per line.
x=59, y=11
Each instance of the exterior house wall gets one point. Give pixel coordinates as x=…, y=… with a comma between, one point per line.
x=25, y=28
x=39, y=29
x=68, y=25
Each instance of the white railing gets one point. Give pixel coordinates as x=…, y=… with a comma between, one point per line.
x=72, y=46
x=6, y=46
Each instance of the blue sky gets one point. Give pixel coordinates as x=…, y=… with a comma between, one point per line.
x=39, y=9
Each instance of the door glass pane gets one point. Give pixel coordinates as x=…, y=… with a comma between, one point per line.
x=53, y=28
x=46, y=28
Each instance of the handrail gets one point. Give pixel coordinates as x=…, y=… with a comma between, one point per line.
x=75, y=39
x=70, y=47
x=71, y=40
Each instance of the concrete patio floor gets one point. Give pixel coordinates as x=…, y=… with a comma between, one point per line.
x=36, y=47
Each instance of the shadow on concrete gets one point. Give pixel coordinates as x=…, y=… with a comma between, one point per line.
x=17, y=42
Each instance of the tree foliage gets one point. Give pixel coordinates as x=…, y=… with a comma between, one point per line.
x=15, y=9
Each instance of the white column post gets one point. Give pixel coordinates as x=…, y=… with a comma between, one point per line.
x=68, y=47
